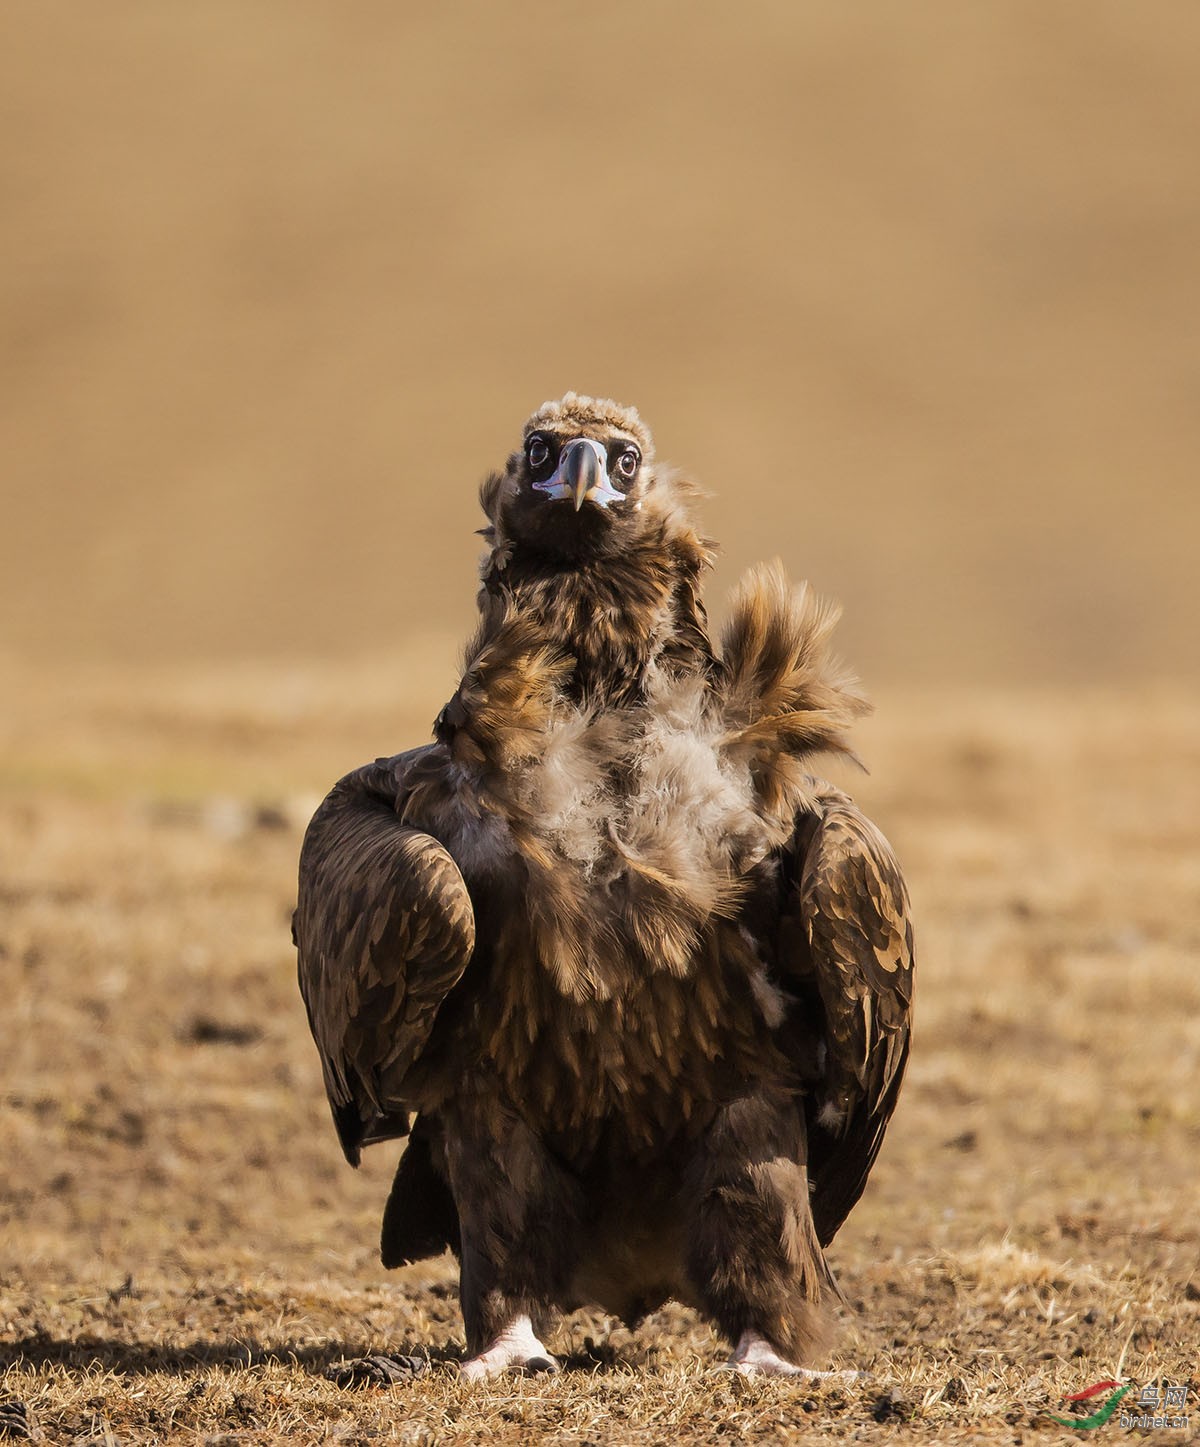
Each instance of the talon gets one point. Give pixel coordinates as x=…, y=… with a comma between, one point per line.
x=754, y=1356
x=515, y=1349
x=540, y=1366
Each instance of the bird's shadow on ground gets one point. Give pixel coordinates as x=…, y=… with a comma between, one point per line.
x=133, y=1359
x=143, y=1359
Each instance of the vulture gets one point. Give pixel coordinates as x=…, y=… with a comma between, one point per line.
x=632, y=980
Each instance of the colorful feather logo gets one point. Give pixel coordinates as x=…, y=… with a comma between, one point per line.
x=1098, y=1418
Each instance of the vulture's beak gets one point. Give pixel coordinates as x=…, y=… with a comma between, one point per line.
x=581, y=475
x=584, y=467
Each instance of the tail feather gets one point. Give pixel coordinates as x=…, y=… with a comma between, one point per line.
x=786, y=696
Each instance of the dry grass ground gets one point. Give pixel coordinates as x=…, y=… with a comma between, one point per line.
x=183, y=1252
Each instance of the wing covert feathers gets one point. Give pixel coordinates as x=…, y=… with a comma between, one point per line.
x=855, y=909
x=385, y=929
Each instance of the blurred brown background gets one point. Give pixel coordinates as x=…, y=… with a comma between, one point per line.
x=912, y=289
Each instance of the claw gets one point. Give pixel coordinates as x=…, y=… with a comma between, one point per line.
x=754, y=1356
x=515, y=1349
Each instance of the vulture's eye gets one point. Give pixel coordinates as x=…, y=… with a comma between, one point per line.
x=537, y=452
x=627, y=463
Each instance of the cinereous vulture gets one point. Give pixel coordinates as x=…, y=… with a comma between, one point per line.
x=633, y=982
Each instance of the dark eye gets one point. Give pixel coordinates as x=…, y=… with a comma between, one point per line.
x=537, y=452
x=627, y=463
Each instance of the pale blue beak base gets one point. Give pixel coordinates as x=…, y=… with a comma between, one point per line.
x=581, y=475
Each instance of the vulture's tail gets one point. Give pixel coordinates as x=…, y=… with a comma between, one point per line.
x=786, y=697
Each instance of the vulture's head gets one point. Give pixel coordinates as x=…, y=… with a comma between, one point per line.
x=582, y=482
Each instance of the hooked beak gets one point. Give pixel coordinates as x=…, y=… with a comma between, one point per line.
x=584, y=466
x=581, y=475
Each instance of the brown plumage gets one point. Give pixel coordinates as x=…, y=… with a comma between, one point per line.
x=638, y=982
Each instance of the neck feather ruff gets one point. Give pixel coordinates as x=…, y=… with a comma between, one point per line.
x=639, y=818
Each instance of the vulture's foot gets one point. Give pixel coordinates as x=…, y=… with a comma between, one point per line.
x=754, y=1356
x=515, y=1349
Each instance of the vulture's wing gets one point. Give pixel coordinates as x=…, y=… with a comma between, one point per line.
x=385, y=929
x=854, y=946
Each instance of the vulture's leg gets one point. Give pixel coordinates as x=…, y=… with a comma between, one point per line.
x=516, y=1348
x=753, y=1256
x=520, y=1217
x=755, y=1356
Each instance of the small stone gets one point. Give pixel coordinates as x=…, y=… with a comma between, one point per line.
x=207, y=1030
x=890, y=1406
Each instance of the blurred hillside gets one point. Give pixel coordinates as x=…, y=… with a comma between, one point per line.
x=913, y=290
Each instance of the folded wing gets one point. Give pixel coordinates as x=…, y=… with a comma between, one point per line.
x=853, y=947
x=385, y=929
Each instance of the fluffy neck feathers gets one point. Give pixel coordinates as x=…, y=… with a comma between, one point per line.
x=641, y=778
x=626, y=595
x=555, y=644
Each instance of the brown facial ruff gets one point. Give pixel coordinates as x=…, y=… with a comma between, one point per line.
x=644, y=980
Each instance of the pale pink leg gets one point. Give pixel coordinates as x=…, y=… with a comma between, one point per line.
x=516, y=1348
x=754, y=1356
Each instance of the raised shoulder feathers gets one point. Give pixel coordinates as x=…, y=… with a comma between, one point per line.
x=785, y=696
x=385, y=928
